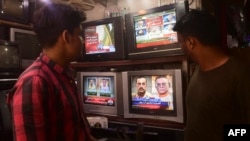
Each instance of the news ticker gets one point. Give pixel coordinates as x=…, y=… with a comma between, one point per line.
x=238, y=132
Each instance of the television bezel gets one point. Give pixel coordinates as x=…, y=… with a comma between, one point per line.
x=24, y=61
x=177, y=116
x=115, y=110
x=153, y=51
x=28, y=8
x=120, y=52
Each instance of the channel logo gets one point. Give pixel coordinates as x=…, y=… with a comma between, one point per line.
x=237, y=132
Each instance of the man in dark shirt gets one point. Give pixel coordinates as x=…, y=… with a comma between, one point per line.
x=44, y=102
x=218, y=92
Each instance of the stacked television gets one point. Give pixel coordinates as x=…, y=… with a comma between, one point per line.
x=101, y=92
x=146, y=34
x=110, y=93
x=18, y=11
x=27, y=42
x=149, y=32
x=104, y=40
x=153, y=107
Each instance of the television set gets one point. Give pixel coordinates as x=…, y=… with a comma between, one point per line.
x=29, y=46
x=149, y=32
x=104, y=40
x=18, y=11
x=165, y=106
x=9, y=56
x=101, y=92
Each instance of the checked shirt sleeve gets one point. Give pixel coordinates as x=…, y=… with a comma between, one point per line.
x=27, y=110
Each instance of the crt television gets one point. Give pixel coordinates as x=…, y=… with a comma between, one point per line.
x=104, y=40
x=154, y=106
x=149, y=32
x=18, y=11
x=101, y=92
x=28, y=43
x=9, y=55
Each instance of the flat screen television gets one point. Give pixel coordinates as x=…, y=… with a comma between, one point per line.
x=29, y=46
x=18, y=11
x=101, y=92
x=163, y=98
x=104, y=40
x=149, y=32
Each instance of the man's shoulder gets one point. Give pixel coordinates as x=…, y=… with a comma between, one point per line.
x=36, y=70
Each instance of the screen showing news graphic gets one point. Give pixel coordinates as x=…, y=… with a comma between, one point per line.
x=99, y=90
x=155, y=29
x=100, y=39
x=153, y=92
x=238, y=132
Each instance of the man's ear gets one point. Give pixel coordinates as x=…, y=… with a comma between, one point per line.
x=190, y=42
x=66, y=36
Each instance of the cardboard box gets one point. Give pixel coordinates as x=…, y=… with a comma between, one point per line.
x=98, y=121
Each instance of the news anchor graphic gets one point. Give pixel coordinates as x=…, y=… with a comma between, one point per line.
x=237, y=132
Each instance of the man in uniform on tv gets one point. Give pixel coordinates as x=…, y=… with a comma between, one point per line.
x=141, y=85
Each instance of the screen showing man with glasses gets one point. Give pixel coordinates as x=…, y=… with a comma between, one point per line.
x=163, y=87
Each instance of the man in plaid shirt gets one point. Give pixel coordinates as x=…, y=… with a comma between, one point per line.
x=44, y=102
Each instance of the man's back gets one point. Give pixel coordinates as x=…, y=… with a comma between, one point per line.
x=215, y=98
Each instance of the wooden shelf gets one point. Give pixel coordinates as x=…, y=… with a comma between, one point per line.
x=147, y=122
x=170, y=62
x=13, y=24
x=129, y=62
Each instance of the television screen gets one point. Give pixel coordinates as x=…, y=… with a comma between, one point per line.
x=27, y=42
x=99, y=39
x=9, y=55
x=155, y=94
x=155, y=29
x=149, y=32
x=100, y=92
x=158, y=89
x=104, y=40
x=16, y=10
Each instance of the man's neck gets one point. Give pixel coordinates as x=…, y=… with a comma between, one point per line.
x=56, y=55
x=140, y=95
x=211, y=59
x=163, y=95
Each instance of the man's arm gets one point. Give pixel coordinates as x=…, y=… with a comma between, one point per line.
x=27, y=110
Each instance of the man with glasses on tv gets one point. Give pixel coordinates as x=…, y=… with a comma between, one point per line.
x=218, y=93
x=163, y=87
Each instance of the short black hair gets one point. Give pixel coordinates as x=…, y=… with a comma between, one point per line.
x=140, y=76
x=199, y=24
x=53, y=18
